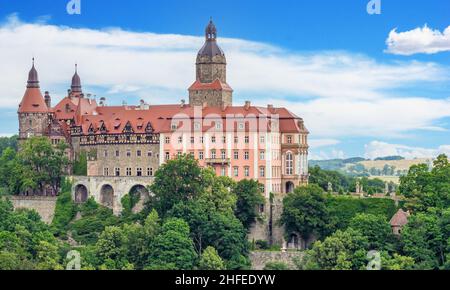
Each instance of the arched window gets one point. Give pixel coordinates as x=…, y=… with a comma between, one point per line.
x=289, y=164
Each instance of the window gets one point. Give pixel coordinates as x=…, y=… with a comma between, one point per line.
x=262, y=139
x=246, y=155
x=223, y=171
x=201, y=155
x=236, y=139
x=262, y=171
x=150, y=171
x=224, y=139
x=289, y=139
x=128, y=153
x=105, y=153
x=149, y=154
x=202, y=140
x=213, y=154
x=247, y=139
x=117, y=153
x=247, y=171
x=262, y=155
x=241, y=126
x=213, y=139
x=179, y=153
x=167, y=140
x=218, y=125
x=197, y=126
x=236, y=171
x=174, y=126
x=180, y=140
x=236, y=155
x=289, y=164
x=117, y=171
x=128, y=171
x=192, y=140
x=139, y=171
x=192, y=154
x=167, y=155
x=261, y=208
x=138, y=153
x=223, y=154
x=106, y=171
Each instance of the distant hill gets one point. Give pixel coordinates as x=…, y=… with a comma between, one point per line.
x=389, y=168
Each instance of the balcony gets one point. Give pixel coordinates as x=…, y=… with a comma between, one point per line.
x=218, y=161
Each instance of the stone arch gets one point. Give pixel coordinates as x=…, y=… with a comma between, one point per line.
x=81, y=193
x=294, y=242
x=290, y=187
x=107, y=196
x=143, y=195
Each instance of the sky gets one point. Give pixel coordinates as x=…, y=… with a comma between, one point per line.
x=367, y=85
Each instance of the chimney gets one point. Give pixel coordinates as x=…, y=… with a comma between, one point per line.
x=183, y=103
x=247, y=105
x=48, y=100
x=81, y=96
x=102, y=101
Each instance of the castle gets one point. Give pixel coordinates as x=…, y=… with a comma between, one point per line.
x=125, y=144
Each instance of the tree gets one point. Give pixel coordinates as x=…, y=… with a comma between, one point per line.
x=305, y=212
x=377, y=230
x=48, y=257
x=249, y=197
x=173, y=249
x=178, y=180
x=343, y=250
x=396, y=262
x=210, y=260
x=110, y=248
x=422, y=240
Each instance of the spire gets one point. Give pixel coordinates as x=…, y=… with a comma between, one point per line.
x=33, y=101
x=210, y=48
x=76, y=81
x=33, y=80
x=211, y=31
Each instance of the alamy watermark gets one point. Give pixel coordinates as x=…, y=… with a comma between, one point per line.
x=74, y=260
x=374, y=7
x=74, y=7
x=374, y=258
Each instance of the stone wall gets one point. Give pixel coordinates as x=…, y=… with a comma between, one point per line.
x=44, y=206
x=260, y=259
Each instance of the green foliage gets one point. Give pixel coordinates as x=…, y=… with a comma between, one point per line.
x=210, y=260
x=173, y=247
x=80, y=165
x=305, y=212
x=65, y=210
x=377, y=230
x=343, y=250
x=396, y=262
x=8, y=142
x=427, y=189
x=276, y=266
x=343, y=208
x=249, y=197
x=423, y=240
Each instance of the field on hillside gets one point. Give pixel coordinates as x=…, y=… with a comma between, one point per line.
x=399, y=164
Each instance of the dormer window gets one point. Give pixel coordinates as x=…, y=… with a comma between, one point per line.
x=128, y=128
x=149, y=128
x=91, y=129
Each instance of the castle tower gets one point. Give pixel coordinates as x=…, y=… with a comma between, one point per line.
x=33, y=111
x=76, y=83
x=211, y=85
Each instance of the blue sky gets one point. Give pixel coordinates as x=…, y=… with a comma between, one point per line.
x=309, y=48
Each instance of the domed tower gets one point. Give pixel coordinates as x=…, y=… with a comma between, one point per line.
x=211, y=85
x=76, y=83
x=34, y=115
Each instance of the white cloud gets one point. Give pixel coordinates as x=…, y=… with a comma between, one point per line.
x=317, y=143
x=337, y=93
x=419, y=40
x=377, y=149
x=323, y=155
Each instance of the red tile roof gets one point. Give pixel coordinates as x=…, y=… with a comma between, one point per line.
x=400, y=218
x=33, y=102
x=216, y=85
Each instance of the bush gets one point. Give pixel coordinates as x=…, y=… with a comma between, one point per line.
x=276, y=266
x=65, y=210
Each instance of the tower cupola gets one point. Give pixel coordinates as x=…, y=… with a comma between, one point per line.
x=76, y=82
